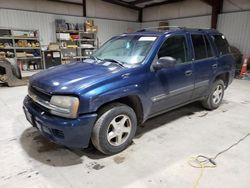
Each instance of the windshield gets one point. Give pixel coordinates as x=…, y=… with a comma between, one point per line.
x=129, y=49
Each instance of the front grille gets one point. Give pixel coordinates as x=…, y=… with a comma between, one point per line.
x=40, y=94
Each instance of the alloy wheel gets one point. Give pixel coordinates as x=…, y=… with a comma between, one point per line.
x=119, y=130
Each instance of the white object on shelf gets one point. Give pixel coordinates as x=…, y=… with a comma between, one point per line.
x=86, y=45
x=63, y=36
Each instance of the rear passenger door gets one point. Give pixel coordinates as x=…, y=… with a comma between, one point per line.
x=224, y=57
x=204, y=63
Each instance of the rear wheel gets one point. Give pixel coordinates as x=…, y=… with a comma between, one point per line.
x=215, y=97
x=114, y=128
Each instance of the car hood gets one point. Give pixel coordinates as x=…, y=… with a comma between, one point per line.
x=73, y=77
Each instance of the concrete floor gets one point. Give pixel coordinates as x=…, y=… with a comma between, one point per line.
x=157, y=158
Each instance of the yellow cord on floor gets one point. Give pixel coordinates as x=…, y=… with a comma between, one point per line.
x=201, y=162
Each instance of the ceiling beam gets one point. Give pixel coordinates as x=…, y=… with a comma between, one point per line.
x=139, y=1
x=66, y=2
x=208, y=2
x=122, y=3
x=83, y=4
x=162, y=3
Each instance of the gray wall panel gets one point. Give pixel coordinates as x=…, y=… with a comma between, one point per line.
x=45, y=23
x=193, y=22
x=236, y=27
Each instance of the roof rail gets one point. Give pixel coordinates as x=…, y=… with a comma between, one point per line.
x=167, y=28
x=160, y=28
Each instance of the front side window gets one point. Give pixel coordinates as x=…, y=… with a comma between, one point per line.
x=221, y=44
x=128, y=49
x=176, y=47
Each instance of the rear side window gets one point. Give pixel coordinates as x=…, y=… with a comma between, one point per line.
x=221, y=44
x=199, y=47
x=176, y=47
x=209, y=48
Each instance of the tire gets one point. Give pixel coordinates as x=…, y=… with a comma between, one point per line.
x=214, y=100
x=114, y=129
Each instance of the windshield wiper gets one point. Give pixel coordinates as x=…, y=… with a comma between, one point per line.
x=115, y=61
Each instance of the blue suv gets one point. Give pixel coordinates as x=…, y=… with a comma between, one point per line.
x=130, y=79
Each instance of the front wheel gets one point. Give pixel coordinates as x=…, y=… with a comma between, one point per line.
x=114, y=128
x=215, y=97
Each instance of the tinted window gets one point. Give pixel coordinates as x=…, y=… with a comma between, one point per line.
x=175, y=47
x=209, y=49
x=199, y=46
x=221, y=44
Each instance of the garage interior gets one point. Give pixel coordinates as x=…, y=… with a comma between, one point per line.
x=37, y=35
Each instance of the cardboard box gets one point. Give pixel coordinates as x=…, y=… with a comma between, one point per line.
x=21, y=54
x=2, y=55
x=89, y=22
x=91, y=29
x=94, y=29
x=22, y=43
x=88, y=28
x=54, y=47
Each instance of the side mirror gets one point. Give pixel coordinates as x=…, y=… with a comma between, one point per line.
x=165, y=62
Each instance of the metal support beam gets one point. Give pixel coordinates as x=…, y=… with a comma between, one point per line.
x=84, y=9
x=216, y=10
x=140, y=15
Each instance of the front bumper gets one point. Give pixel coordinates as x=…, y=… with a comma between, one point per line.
x=74, y=133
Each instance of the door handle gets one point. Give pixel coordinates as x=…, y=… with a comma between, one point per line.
x=214, y=66
x=188, y=73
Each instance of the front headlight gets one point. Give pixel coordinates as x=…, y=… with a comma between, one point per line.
x=65, y=106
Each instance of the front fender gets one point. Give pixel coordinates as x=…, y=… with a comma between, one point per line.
x=109, y=96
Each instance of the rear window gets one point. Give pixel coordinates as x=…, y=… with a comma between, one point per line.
x=199, y=47
x=221, y=44
x=209, y=48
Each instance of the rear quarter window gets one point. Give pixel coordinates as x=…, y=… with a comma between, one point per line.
x=221, y=44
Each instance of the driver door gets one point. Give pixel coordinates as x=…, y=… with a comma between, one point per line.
x=173, y=86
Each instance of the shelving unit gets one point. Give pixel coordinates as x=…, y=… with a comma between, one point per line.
x=22, y=46
x=76, y=44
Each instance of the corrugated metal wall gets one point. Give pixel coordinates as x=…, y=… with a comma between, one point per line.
x=193, y=22
x=45, y=23
x=175, y=10
x=236, y=27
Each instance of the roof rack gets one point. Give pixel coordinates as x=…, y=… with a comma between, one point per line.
x=167, y=28
x=160, y=28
